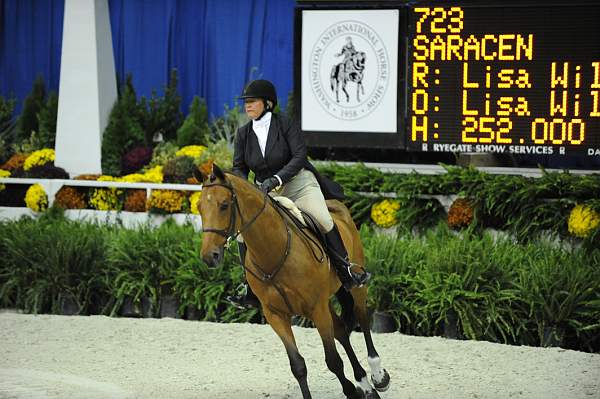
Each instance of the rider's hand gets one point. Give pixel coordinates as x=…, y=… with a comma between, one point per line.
x=269, y=184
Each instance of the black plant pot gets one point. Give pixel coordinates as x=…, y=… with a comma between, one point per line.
x=68, y=305
x=131, y=308
x=148, y=307
x=193, y=313
x=169, y=306
x=383, y=322
x=553, y=337
x=451, y=325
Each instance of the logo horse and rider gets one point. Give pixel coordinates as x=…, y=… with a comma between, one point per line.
x=364, y=63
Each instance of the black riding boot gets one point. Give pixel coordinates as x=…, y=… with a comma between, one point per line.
x=244, y=298
x=339, y=259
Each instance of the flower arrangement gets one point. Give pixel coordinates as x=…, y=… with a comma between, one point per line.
x=179, y=169
x=106, y=199
x=460, y=213
x=47, y=171
x=38, y=158
x=166, y=201
x=15, y=162
x=154, y=175
x=195, y=202
x=135, y=201
x=70, y=198
x=193, y=151
x=384, y=212
x=583, y=220
x=3, y=173
x=135, y=159
x=36, y=198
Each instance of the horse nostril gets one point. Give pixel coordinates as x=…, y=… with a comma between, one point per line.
x=216, y=256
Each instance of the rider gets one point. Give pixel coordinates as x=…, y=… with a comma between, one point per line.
x=348, y=50
x=272, y=147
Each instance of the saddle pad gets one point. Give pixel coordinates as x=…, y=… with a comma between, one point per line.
x=291, y=207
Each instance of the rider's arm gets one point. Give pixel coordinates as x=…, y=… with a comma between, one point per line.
x=239, y=150
x=293, y=137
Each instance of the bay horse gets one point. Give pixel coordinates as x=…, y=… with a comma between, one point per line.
x=289, y=276
x=350, y=70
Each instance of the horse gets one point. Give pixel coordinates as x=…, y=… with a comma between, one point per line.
x=350, y=70
x=290, y=276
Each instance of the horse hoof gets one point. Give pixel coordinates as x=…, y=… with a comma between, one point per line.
x=358, y=394
x=372, y=395
x=384, y=384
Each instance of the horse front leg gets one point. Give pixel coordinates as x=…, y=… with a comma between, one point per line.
x=344, y=82
x=379, y=375
x=283, y=328
x=324, y=323
x=343, y=337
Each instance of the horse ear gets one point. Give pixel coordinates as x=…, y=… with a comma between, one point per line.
x=217, y=172
x=200, y=174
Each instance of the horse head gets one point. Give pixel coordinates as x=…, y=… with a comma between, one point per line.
x=218, y=210
x=359, y=59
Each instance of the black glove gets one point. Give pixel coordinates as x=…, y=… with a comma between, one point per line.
x=269, y=184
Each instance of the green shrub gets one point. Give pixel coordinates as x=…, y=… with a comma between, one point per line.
x=195, y=129
x=123, y=131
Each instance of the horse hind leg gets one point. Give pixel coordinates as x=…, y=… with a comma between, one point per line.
x=283, y=329
x=379, y=375
x=323, y=321
x=343, y=337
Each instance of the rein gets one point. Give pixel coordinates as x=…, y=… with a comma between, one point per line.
x=230, y=234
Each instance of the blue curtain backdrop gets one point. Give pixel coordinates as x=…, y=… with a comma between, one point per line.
x=216, y=45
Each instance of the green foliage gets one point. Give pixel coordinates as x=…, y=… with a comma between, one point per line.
x=221, y=154
x=162, y=115
x=226, y=126
x=195, y=129
x=47, y=121
x=123, y=131
x=523, y=206
x=178, y=169
x=48, y=259
x=497, y=289
x=162, y=153
x=7, y=126
x=34, y=102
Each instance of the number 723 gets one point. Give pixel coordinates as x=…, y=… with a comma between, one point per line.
x=486, y=129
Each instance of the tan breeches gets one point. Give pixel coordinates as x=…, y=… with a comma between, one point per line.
x=306, y=193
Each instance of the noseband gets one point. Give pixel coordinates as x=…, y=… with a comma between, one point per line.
x=230, y=234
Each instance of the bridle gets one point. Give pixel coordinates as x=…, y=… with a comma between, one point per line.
x=230, y=234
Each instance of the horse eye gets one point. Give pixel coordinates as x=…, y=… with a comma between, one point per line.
x=224, y=206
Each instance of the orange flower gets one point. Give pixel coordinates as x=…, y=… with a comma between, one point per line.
x=460, y=213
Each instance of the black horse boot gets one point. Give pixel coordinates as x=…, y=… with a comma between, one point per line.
x=244, y=298
x=341, y=263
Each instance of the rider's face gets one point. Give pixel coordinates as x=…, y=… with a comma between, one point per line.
x=254, y=107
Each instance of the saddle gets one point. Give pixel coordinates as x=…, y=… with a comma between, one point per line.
x=303, y=220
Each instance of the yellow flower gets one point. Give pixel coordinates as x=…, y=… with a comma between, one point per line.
x=36, y=198
x=3, y=173
x=195, y=201
x=106, y=199
x=384, y=212
x=154, y=175
x=583, y=220
x=194, y=151
x=38, y=158
x=168, y=201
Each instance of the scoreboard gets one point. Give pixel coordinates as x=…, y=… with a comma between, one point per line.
x=504, y=79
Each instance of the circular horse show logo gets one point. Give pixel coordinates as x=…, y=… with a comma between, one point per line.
x=349, y=70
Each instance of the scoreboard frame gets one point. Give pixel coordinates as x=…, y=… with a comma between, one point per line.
x=399, y=140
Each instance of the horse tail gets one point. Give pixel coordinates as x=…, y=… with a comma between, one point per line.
x=332, y=76
x=347, y=302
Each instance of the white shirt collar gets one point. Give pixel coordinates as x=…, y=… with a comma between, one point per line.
x=265, y=121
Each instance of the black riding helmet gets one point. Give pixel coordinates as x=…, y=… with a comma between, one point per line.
x=261, y=88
